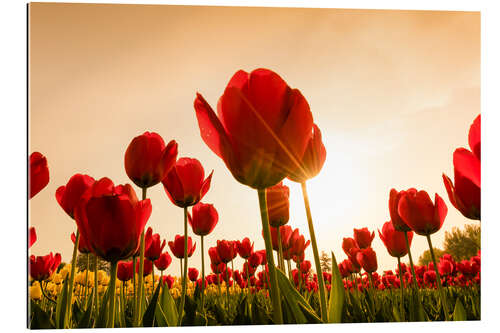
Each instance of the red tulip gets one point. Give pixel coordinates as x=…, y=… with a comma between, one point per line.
x=297, y=243
x=214, y=255
x=111, y=219
x=83, y=246
x=396, y=220
x=154, y=245
x=420, y=214
x=147, y=160
x=363, y=237
x=254, y=260
x=163, y=261
x=313, y=159
x=218, y=268
x=69, y=195
x=125, y=271
x=263, y=256
x=192, y=274
x=394, y=240
x=177, y=247
x=226, y=250
x=278, y=206
x=245, y=248
x=42, y=267
x=305, y=266
x=445, y=267
x=355, y=265
x=148, y=267
x=367, y=258
x=168, y=280
x=475, y=137
x=285, y=234
x=429, y=277
x=39, y=173
x=465, y=195
x=204, y=219
x=348, y=244
x=185, y=184
x=248, y=269
x=31, y=237
x=263, y=127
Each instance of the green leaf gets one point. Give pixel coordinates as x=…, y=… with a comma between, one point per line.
x=149, y=315
x=39, y=318
x=459, y=314
x=293, y=298
x=123, y=307
x=85, y=321
x=337, y=295
x=61, y=306
x=160, y=317
x=168, y=307
x=102, y=319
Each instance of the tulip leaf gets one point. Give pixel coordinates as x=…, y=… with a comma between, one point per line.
x=161, y=318
x=459, y=314
x=149, y=315
x=61, y=306
x=123, y=307
x=337, y=295
x=168, y=306
x=39, y=318
x=293, y=298
x=102, y=318
x=85, y=321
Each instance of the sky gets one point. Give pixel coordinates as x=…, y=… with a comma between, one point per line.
x=394, y=93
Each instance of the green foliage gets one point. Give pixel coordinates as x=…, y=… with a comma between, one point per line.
x=337, y=295
x=463, y=244
x=81, y=262
x=426, y=257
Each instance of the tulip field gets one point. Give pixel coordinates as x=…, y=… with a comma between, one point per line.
x=264, y=132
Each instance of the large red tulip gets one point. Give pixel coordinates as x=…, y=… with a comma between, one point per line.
x=185, y=184
x=125, y=271
x=177, y=247
x=313, y=159
x=278, y=205
x=394, y=240
x=69, y=195
x=262, y=128
x=367, y=258
x=83, y=246
x=245, y=248
x=31, y=237
x=203, y=219
x=39, y=173
x=148, y=160
x=42, y=267
x=419, y=212
x=163, y=262
x=397, y=221
x=154, y=245
x=465, y=195
x=111, y=219
x=363, y=237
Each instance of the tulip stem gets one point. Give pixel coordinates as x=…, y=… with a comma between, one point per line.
x=184, y=277
x=280, y=250
x=401, y=286
x=112, y=294
x=96, y=295
x=134, y=262
x=414, y=276
x=140, y=284
x=289, y=270
x=202, y=275
x=44, y=294
x=317, y=263
x=275, y=294
x=180, y=261
x=153, y=278
x=87, y=279
x=438, y=280
x=72, y=278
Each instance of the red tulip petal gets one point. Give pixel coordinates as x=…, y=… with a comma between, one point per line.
x=191, y=174
x=31, y=237
x=440, y=210
x=206, y=185
x=475, y=137
x=468, y=165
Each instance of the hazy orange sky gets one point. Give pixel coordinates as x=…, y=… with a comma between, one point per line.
x=394, y=93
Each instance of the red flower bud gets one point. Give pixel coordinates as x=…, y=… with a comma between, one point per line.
x=204, y=218
x=125, y=271
x=192, y=274
x=394, y=240
x=38, y=173
x=367, y=258
x=278, y=205
x=177, y=247
x=163, y=261
x=245, y=248
x=363, y=237
x=42, y=267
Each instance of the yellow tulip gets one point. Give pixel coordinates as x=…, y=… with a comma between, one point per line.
x=35, y=292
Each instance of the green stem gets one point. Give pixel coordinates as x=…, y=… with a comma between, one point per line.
x=401, y=286
x=275, y=294
x=414, y=276
x=134, y=262
x=227, y=289
x=96, y=296
x=72, y=278
x=280, y=250
x=290, y=277
x=319, y=273
x=202, y=275
x=140, y=284
x=438, y=280
x=184, y=277
x=87, y=279
x=112, y=294
x=44, y=294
